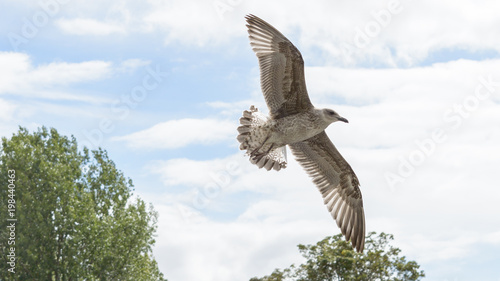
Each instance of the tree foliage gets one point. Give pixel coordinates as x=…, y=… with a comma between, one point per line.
x=334, y=259
x=76, y=218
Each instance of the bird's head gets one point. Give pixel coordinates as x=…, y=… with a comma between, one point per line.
x=331, y=116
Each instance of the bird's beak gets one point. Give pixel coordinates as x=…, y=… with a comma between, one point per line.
x=342, y=119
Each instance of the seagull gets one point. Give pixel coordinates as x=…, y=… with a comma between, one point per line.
x=295, y=122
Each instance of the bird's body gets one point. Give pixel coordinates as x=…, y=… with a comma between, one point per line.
x=295, y=122
x=299, y=127
x=290, y=129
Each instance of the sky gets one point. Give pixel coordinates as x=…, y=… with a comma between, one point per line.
x=161, y=85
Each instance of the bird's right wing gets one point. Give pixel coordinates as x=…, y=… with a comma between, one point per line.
x=337, y=183
x=281, y=69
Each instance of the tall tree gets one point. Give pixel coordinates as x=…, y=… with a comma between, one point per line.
x=73, y=211
x=334, y=259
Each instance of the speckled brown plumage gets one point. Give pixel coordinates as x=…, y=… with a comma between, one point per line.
x=295, y=122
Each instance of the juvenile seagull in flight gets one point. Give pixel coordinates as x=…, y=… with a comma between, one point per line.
x=295, y=122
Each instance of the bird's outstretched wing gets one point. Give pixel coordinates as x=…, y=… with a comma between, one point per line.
x=281, y=69
x=337, y=183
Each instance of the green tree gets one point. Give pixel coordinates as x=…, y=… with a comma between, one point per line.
x=76, y=218
x=334, y=259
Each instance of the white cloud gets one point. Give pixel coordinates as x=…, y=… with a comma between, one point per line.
x=493, y=238
x=6, y=111
x=402, y=36
x=228, y=251
x=20, y=76
x=180, y=171
x=7, y=115
x=192, y=23
x=407, y=38
x=405, y=104
x=87, y=26
x=180, y=133
x=66, y=73
x=440, y=82
x=387, y=32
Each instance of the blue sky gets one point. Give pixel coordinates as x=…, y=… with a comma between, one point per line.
x=161, y=84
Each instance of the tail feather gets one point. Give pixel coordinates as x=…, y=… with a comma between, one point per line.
x=245, y=121
x=244, y=129
x=251, y=138
x=275, y=159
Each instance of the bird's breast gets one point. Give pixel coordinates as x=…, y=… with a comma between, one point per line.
x=296, y=128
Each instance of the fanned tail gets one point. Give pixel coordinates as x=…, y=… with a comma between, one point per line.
x=251, y=136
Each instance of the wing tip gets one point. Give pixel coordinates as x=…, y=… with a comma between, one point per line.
x=262, y=28
x=358, y=242
x=351, y=222
x=251, y=17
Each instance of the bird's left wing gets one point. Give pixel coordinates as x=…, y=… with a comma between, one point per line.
x=281, y=69
x=337, y=183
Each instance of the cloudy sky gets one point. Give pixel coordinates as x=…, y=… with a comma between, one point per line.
x=161, y=84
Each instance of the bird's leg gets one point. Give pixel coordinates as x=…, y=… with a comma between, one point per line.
x=259, y=155
x=270, y=148
x=256, y=154
x=256, y=150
